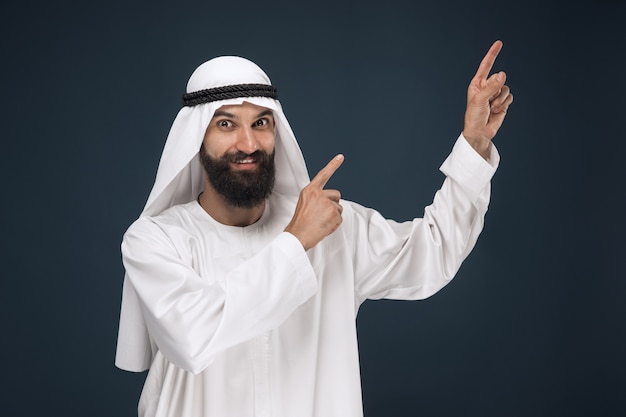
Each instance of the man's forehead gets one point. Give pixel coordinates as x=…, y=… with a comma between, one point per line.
x=244, y=108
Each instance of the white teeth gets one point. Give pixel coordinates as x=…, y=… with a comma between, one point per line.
x=246, y=161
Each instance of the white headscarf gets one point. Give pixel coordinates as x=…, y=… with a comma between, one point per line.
x=179, y=177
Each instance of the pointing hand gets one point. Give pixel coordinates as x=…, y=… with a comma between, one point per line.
x=488, y=100
x=318, y=212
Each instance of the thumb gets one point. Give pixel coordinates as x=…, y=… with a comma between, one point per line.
x=494, y=84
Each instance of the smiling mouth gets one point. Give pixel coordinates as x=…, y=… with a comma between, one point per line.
x=246, y=163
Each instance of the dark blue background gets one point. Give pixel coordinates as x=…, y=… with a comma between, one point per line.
x=533, y=324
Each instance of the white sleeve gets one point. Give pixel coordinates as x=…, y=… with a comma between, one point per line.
x=415, y=259
x=191, y=319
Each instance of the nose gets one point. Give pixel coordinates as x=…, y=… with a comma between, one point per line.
x=247, y=141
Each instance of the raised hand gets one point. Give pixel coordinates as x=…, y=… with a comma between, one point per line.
x=488, y=100
x=318, y=212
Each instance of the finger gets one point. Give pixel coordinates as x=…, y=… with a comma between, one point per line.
x=497, y=118
x=502, y=108
x=333, y=195
x=495, y=95
x=499, y=98
x=492, y=87
x=324, y=175
x=487, y=63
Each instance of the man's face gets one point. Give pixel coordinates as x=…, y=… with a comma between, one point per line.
x=238, y=154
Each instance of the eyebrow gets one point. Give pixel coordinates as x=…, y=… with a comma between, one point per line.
x=222, y=113
x=267, y=112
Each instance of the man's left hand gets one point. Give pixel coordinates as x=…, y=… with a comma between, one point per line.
x=488, y=100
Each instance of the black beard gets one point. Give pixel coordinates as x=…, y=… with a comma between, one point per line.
x=245, y=189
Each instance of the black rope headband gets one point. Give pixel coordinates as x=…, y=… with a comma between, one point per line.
x=229, y=91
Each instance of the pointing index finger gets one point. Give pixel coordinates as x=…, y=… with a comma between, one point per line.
x=325, y=173
x=487, y=63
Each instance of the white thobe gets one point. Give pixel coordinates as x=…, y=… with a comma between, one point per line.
x=243, y=322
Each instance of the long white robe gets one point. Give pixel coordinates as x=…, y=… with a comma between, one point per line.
x=243, y=322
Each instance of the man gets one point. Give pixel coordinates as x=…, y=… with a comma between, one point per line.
x=244, y=277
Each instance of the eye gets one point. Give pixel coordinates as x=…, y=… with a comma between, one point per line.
x=225, y=123
x=262, y=122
